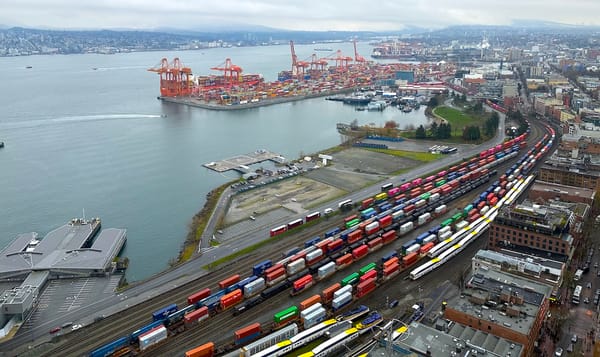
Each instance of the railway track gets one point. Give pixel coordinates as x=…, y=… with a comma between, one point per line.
x=109, y=329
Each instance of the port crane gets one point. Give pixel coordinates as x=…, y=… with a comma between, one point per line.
x=232, y=74
x=298, y=67
x=358, y=58
x=341, y=61
x=175, y=78
x=318, y=64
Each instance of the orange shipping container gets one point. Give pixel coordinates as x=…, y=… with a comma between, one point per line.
x=229, y=281
x=328, y=293
x=231, y=299
x=310, y=301
x=206, y=350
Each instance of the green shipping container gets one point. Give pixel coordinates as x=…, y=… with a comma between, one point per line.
x=286, y=314
x=367, y=268
x=447, y=222
x=425, y=196
x=457, y=217
x=350, y=279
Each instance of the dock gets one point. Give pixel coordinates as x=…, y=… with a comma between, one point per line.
x=240, y=163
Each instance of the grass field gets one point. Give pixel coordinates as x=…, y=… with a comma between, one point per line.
x=413, y=155
x=455, y=117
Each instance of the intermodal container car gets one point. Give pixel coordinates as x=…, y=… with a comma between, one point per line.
x=304, y=282
x=388, y=256
x=343, y=261
x=196, y=315
x=229, y=281
x=391, y=271
x=371, y=228
x=410, y=259
x=286, y=316
x=392, y=261
x=327, y=294
x=385, y=221
x=326, y=270
x=164, y=312
x=370, y=274
x=365, y=287
x=310, y=301
x=354, y=236
x=350, y=279
x=311, y=242
x=296, y=266
x=332, y=232
x=426, y=248
x=335, y=245
x=254, y=287
x=388, y=236
x=247, y=334
x=231, y=299
x=275, y=289
x=375, y=244
x=360, y=252
x=367, y=203
x=194, y=298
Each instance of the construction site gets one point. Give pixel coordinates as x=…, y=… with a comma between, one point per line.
x=309, y=78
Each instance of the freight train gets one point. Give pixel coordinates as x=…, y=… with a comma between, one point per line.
x=389, y=214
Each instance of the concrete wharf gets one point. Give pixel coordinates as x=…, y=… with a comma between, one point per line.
x=241, y=162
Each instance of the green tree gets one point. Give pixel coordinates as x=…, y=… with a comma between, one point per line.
x=478, y=107
x=471, y=133
x=491, y=124
x=420, y=132
x=433, y=102
x=434, y=130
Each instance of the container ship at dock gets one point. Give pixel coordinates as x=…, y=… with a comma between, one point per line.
x=309, y=78
x=397, y=50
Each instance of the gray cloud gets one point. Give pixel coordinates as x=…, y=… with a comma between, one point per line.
x=294, y=15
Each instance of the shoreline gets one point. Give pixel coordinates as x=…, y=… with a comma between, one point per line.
x=198, y=103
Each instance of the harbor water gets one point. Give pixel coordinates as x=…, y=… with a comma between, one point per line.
x=86, y=132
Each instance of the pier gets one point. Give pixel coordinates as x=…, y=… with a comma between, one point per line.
x=240, y=163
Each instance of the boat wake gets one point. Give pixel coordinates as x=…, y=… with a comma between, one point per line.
x=75, y=119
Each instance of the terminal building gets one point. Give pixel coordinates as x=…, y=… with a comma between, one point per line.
x=76, y=249
x=534, y=229
x=502, y=305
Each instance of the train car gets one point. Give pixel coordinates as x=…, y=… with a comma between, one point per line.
x=302, y=284
x=410, y=259
x=295, y=266
x=340, y=302
x=275, y=276
x=229, y=281
x=247, y=334
x=213, y=301
x=389, y=236
x=196, y=316
x=344, y=261
x=365, y=287
x=310, y=301
x=368, y=275
x=205, y=350
x=312, y=216
x=332, y=232
x=393, y=191
x=247, y=305
x=335, y=245
x=286, y=316
x=278, y=230
x=111, y=347
x=360, y=252
x=259, y=269
x=354, y=236
x=375, y=244
x=350, y=279
x=254, y=287
x=275, y=289
x=194, y=298
x=162, y=314
x=315, y=317
x=367, y=203
x=255, y=348
x=178, y=315
x=380, y=197
x=327, y=294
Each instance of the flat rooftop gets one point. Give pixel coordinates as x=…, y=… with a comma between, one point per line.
x=549, y=220
x=460, y=340
x=239, y=162
x=562, y=189
x=489, y=285
x=76, y=247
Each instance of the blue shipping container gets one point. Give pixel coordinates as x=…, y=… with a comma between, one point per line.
x=260, y=268
x=313, y=241
x=164, y=312
x=136, y=334
x=332, y=232
x=388, y=256
x=110, y=348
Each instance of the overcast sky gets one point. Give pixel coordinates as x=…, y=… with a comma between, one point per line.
x=287, y=14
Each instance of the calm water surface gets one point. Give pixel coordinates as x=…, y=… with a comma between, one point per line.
x=87, y=132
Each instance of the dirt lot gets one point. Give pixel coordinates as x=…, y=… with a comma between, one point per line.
x=350, y=170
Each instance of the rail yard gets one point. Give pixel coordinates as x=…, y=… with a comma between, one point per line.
x=184, y=336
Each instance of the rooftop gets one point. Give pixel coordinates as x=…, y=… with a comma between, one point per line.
x=563, y=189
x=460, y=340
x=70, y=248
x=504, y=299
x=549, y=220
x=521, y=264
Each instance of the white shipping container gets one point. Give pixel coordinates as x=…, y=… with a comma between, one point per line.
x=397, y=215
x=152, y=337
x=424, y=218
x=326, y=270
x=445, y=235
x=434, y=197
x=341, y=301
x=460, y=225
x=371, y=226
x=309, y=310
x=254, y=287
x=420, y=203
x=314, y=255
x=430, y=238
x=343, y=290
x=497, y=189
x=295, y=266
x=484, y=209
x=511, y=178
x=315, y=318
x=444, y=230
x=413, y=248
x=510, y=185
x=406, y=227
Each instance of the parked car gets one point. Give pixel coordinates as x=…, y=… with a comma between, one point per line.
x=574, y=339
x=558, y=352
x=55, y=329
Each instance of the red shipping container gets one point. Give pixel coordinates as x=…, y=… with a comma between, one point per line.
x=355, y=236
x=473, y=218
x=375, y=244
x=303, y=281
x=409, y=209
x=368, y=275
x=427, y=187
x=344, y=260
x=503, y=184
x=333, y=245
x=435, y=190
x=273, y=268
x=365, y=287
x=367, y=203
x=501, y=193
x=401, y=197
x=365, y=223
x=327, y=294
x=196, y=315
x=446, y=190
x=229, y=281
x=503, y=177
x=415, y=192
x=275, y=274
x=192, y=299
x=409, y=259
x=300, y=255
x=388, y=236
x=385, y=221
x=247, y=331
x=323, y=244
x=454, y=183
x=490, y=196
x=374, y=227
x=360, y=252
x=473, y=212
x=481, y=205
x=491, y=159
x=493, y=201
x=391, y=261
x=391, y=269
x=310, y=301
x=231, y=299
x=426, y=248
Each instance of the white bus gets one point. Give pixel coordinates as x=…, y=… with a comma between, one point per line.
x=577, y=294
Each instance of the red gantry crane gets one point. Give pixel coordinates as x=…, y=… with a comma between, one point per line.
x=232, y=74
x=298, y=67
x=358, y=58
x=175, y=78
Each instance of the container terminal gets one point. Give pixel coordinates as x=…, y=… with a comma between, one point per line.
x=74, y=250
x=309, y=78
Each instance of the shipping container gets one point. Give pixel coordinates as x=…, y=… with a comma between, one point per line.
x=375, y=244
x=343, y=261
x=205, y=350
x=164, y=312
x=406, y=227
x=295, y=266
x=194, y=298
x=360, y=252
x=410, y=259
x=391, y=271
x=327, y=294
x=309, y=310
x=388, y=236
x=315, y=317
x=275, y=276
x=367, y=203
x=388, y=256
x=247, y=334
x=312, y=242
x=341, y=301
x=413, y=249
x=391, y=261
x=426, y=248
x=332, y=232
x=254, y=287
x=310, y=301
x=229, y=281
x=314, y=256
x=335, y=245
x=430, y=238
x=231, y=299
x=302, y=283
x=365, y=287
x=368, y=275
x=275, y=289
x=368, y=213
x=287, y=315
x=424, y=218
x=196, y=315
x=350, y=279
x=354, y=236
